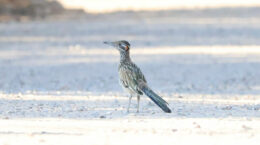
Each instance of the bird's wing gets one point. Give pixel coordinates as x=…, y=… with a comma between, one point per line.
x=130, y=75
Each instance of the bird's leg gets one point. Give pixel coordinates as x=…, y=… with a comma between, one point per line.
x=138, y=102
x=129, y=103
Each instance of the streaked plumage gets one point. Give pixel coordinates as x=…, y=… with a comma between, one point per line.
x=132, y=79
x=130, y=76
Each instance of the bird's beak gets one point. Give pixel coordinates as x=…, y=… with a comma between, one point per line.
x=110, y=43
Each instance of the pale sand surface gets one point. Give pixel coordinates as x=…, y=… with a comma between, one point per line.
x=59, y=83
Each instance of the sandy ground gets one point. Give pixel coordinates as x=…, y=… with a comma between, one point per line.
x=59, y=83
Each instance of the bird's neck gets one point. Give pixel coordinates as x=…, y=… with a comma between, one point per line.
x=125, y=56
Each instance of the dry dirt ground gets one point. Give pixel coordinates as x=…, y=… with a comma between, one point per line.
x=59, y=85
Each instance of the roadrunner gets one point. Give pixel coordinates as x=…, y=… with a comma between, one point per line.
x=132, y=79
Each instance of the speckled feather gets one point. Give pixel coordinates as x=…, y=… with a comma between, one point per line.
x=130, y=76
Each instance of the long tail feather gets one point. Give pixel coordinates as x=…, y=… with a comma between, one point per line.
x=156, y=99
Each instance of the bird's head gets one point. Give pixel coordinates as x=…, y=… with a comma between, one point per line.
x=122, y=46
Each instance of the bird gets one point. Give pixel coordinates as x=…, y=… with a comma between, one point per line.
x=132, y=79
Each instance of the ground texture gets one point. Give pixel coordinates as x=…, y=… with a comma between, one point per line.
x=59, y=84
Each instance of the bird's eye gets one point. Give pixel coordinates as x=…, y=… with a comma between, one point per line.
x=122, y=46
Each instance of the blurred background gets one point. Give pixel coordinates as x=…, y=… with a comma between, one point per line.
x=58, y=79
x=101, y=6
x=200, y=46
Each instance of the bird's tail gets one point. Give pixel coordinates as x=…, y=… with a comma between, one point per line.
x=156, y=99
